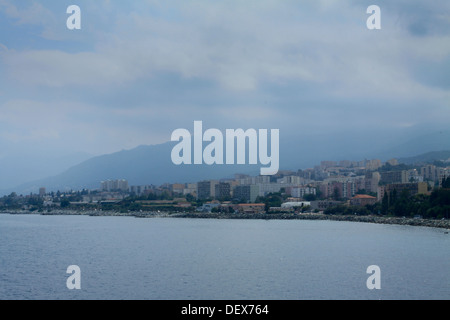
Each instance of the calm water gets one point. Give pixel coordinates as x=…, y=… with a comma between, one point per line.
x=129, y=258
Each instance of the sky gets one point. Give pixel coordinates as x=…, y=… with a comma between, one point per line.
x=138, y=70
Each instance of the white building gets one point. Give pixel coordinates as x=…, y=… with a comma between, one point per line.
x=191, y=188
x=295, y=204
x=254, y=180
x=291, y=180
x=300, y=192
x=114, y=185
x=266, y=188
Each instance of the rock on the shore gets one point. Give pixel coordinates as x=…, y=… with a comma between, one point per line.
x=444, y=223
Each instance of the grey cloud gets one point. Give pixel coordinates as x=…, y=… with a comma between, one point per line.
x=311, y=69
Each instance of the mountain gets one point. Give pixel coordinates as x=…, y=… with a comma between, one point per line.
x=420, y=144
x=142, y=165
x=146, y=165
x=428, y=157
x=26, y=165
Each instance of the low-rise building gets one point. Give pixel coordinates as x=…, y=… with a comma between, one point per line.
x=247, y=193
x=362, y=200
x=252, y=208
x=295, y=204
x=222, y=191
x=208, y=206
x=321, y=205
x=413, y=189
x=390, y=177
x=281, y=210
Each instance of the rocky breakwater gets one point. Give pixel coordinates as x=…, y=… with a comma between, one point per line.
x=444, y=223
x=67, y=212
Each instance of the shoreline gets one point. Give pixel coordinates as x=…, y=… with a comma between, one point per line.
x=443, y=224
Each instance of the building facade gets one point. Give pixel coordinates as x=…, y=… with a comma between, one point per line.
x=247, y=193
x=204, y=190
x=114, y=185
x=222, y=191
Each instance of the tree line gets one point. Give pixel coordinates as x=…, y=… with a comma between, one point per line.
x=402, y=204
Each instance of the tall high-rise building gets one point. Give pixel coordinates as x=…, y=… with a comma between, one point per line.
x=204, y=190
x=247, y=193
x=389, y=177
x=178, y=188
x=212, y=191
x=430, y=172
x=372, y=180
x=412, y=188
x=393, y=162
x=373, y=164
x=114, y=185
x=444, y=174
x=300, y=192
x=327, y=164
x=222, y=191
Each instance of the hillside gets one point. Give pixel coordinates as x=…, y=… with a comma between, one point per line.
x=428, y=157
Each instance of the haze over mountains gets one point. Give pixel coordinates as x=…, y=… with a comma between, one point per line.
x=152, y=164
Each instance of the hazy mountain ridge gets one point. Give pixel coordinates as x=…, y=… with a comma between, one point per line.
x=152, y=164
x=21, y=167
x=143, y=165
x=421, y=144
x=428, y=157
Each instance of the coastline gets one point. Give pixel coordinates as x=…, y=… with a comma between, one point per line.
x=443, y=224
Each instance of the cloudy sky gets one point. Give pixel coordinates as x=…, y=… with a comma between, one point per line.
x=137, y=70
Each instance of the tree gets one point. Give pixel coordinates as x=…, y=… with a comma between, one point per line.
x=401, y=205
x=215, y=210
x=272, y=200
x=35, y=201
x=338, y=209
x=362, y=211
x=440, y=197
x=446, y=183
x=305, y=208
x=393, y=197
x=12, y=200
x=65, y=203
x=190, y=198
x=318, y=193
x=336, y=194
x=385, y=204
x=309, y=197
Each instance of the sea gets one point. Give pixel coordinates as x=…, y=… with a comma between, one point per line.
x=129, y=258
